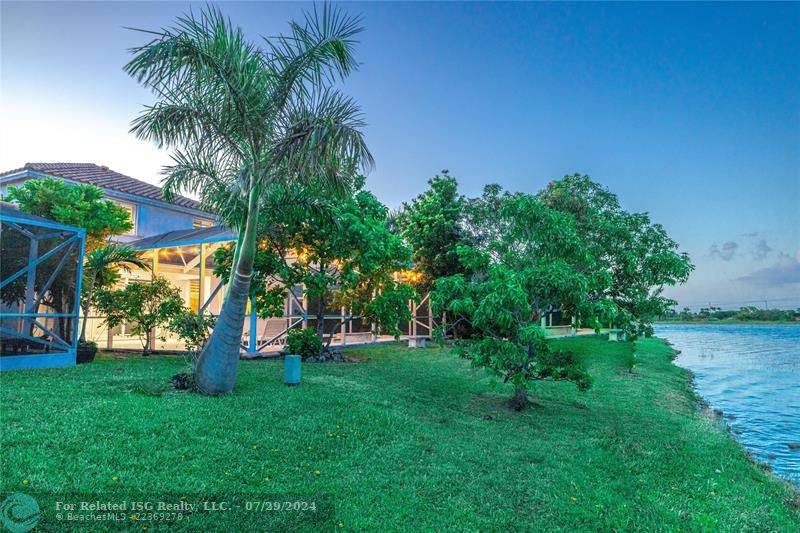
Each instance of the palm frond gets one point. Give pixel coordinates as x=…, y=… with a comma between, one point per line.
x=322, y=131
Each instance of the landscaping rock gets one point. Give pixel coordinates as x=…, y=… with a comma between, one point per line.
x=183, y=381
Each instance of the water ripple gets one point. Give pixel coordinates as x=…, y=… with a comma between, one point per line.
x=752, y=373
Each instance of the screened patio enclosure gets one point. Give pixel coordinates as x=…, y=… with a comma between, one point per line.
x=185, y=258
x=41, y=264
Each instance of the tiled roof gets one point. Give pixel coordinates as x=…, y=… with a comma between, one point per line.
x=106, y=178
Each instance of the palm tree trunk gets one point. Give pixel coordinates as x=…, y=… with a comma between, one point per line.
x=218, y=361
x=237, y=248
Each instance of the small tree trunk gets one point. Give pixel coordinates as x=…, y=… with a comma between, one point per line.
x=146, y=346
x=86, y=307
x=520, y=400
x=321, y=309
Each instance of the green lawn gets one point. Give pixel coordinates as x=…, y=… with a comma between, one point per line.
x=405, y=440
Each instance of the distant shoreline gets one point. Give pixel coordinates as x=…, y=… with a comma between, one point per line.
x=727, y=322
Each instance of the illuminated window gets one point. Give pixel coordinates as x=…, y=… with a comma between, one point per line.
x=194, y=295
x=131, y=209
x=201, y=223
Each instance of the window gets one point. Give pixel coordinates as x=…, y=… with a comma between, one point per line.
x=194, y=295
x=201, y=223
x=131, y=209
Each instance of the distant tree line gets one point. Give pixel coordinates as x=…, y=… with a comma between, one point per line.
x=745, y=314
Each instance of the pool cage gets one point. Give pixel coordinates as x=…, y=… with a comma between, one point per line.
x=41, y=264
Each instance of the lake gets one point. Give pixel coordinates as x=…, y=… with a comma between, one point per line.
x=752, y=373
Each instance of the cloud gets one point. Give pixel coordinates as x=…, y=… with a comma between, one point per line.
x=761, y=250
x=726, y=252
x=786, y=271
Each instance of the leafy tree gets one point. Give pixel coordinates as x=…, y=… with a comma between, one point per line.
x=638, y=256
x=431, y=225
x=241, y=120
x=513, y=277
x=77, y=205
x=349, y=254
x=344, y=255
x=101, y=270
x=143, y=305
x=80, y=205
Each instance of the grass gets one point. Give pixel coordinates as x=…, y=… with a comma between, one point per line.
x=405, y=440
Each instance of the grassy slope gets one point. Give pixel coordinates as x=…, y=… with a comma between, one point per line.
x=408, y=440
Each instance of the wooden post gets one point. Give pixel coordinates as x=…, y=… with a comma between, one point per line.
x=414, y=318
x=374, y=327
x=252, y=346
x=430, y=316
x=201, y=291
x=305, y=307
x=153, y=277
x=344, y=327
x=411, y=322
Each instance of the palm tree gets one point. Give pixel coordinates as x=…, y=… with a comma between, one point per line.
x=102, y=265
x=241, y=120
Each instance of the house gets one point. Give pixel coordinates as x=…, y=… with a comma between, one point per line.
x=173, y=236
x=150, y=213
x=179, y=240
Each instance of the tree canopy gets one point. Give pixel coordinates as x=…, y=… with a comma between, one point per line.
x=512, y=279
x=431, y=225
x=639, y=256
x=78, y=205
x=570, y=248
x=342, y=252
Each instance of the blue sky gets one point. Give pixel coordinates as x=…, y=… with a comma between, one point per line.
x=688, y=111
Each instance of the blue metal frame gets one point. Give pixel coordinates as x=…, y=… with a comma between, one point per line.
x=54, y=359
x=177, y=244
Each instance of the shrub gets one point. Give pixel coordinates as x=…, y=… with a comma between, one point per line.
x=191, y=328
x=303, y=342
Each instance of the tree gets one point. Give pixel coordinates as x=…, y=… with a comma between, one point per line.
x=101, y=270
x=344, y=255
x=512, y=278
x=638, y=256
x=239, y=120
x=78, y=205
x=431, y=225
x=349, y=255
x=143, y=305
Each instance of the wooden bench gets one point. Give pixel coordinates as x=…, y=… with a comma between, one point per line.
x=417, y=341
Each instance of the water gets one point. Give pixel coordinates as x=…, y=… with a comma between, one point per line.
x=751, y=372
